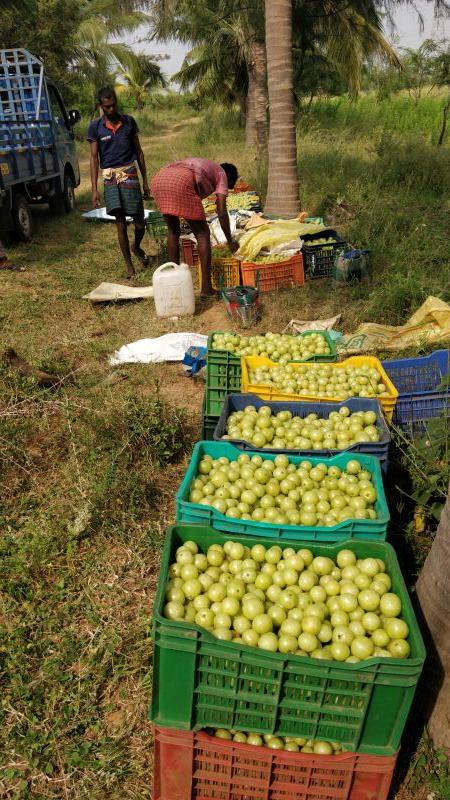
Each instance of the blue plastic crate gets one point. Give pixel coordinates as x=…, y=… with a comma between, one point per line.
x=360, y=529
x=417, y=381
x=237, y=402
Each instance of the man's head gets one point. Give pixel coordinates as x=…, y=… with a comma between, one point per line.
x=231, y=173
x=107, y=100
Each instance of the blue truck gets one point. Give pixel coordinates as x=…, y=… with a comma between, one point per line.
x=38, y=160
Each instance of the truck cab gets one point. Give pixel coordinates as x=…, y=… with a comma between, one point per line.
x=38, y=160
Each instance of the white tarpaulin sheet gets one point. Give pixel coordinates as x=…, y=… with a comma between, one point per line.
x=105, y=292
x=100, y=214
x=170, y=347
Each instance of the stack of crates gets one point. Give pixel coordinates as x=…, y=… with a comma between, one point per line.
x=223, y=377
x=202, y=683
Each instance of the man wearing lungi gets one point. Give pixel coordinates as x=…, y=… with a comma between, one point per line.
x=115, y=144
x=178, y=190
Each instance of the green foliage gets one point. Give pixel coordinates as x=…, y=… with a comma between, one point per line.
x=414, y=165
x=430, y=768
x=217, y=124
x=141, y=75
x=48, y=30
x=398, y=114
x=427, y=460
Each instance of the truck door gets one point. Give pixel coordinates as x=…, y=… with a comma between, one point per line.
x=63, y=135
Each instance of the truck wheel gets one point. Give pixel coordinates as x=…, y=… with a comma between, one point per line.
x=63, y=201
x=21, y=217
x=69, y=193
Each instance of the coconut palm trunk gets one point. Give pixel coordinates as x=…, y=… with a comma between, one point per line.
x=283, y=190
x=250, y=117
x=258, y=72
x=433, y=593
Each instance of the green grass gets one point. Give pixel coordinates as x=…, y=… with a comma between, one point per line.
x=368, y=116
x=90, y=471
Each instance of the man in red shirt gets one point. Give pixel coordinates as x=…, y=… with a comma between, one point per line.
x=115, y=144
x=178, y=190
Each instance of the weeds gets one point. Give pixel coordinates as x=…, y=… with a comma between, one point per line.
x=427, y=460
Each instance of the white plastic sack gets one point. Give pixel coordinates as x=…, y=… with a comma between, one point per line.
x=217, y=234
x=295, y=245
x=170, y=347
x=301, y=325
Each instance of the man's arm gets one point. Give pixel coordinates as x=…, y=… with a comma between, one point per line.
x=141, y=162
x=94, y=173
x=222, y=213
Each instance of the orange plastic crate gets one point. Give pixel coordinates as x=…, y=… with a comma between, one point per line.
x=223, y=270
x=273, y=276
x=196, y=766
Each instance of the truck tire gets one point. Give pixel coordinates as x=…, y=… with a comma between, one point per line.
x=69, y=193
x=63, y=201
x=21, y=217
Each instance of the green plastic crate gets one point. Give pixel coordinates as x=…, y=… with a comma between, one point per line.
x=223, y=376
x=156, y=225
x=200, y=681
x=209, y=423
x=223, y=372
x=349, y=529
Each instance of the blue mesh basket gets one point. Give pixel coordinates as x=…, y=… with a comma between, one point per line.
x=424, y=389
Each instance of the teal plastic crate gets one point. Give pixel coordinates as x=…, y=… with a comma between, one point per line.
x=349, y=529
x=201, y=682
x=223, y=371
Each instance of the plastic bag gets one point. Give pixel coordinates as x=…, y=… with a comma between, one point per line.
x=351, y=266
x=194, y=360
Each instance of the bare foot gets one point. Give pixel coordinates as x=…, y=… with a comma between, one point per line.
x=141, y=255
x=5, y=263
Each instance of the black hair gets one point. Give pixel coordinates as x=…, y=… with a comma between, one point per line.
x=231, y=173
x=106, y=93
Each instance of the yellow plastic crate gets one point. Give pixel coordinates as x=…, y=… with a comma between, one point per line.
x=225, y=268
x=271, y=393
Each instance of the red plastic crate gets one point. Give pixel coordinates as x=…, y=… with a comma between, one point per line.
x=189, y=253
x=196, y=766
x=276, y=275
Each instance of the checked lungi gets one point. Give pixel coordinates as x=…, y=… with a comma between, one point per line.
x=175, y=192
x=123, y=191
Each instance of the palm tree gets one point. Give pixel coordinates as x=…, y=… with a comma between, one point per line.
x=283, y=188
x=142, y=74
x=227, y=61
x=433, y=593
x=97, y=58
